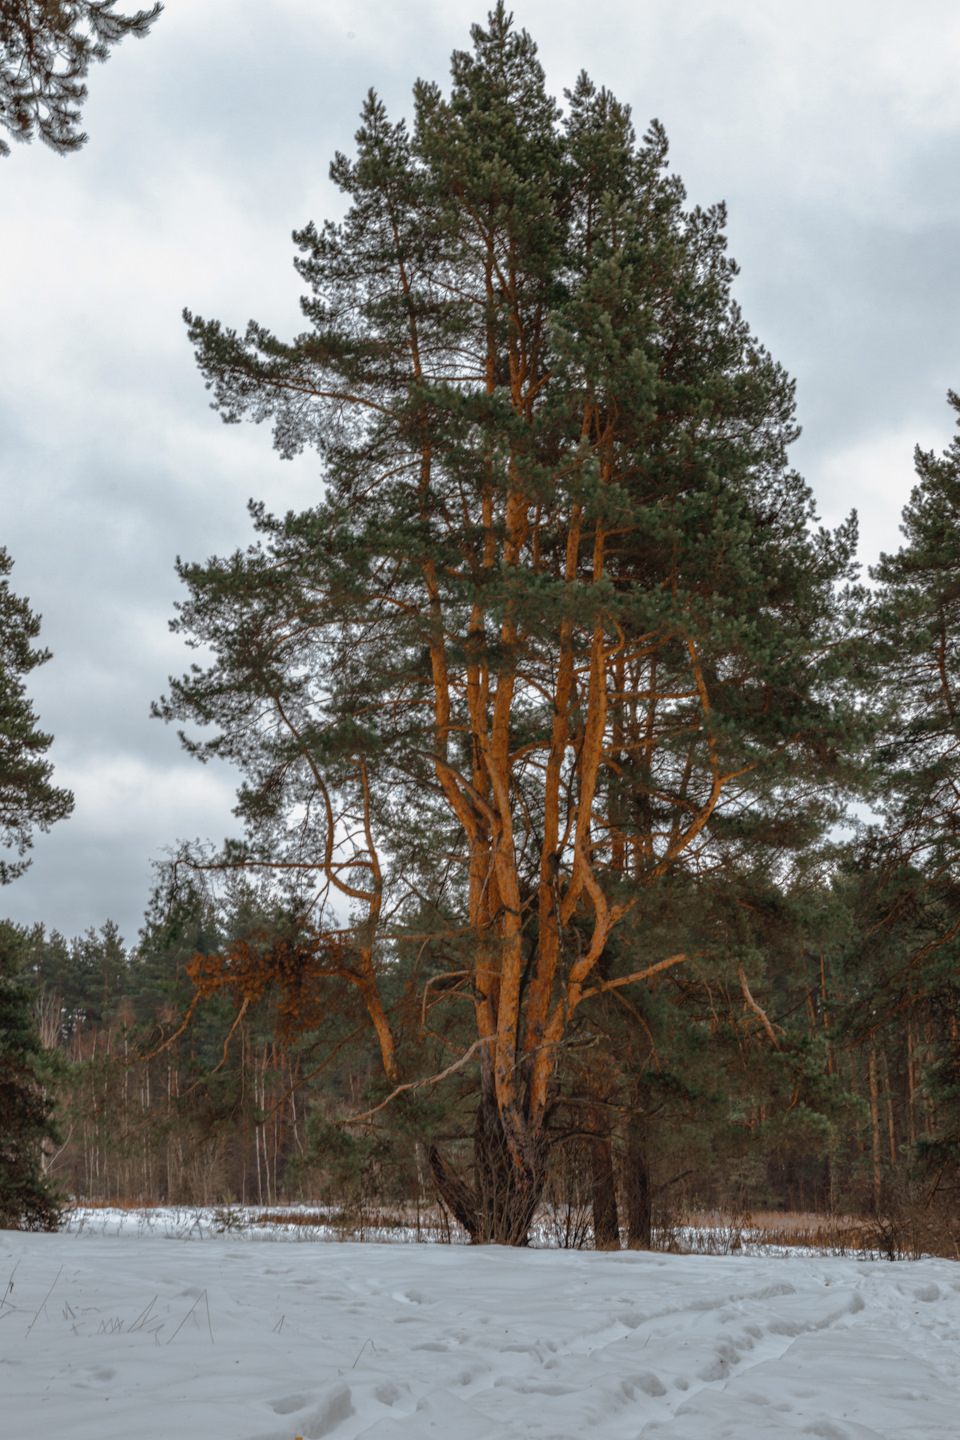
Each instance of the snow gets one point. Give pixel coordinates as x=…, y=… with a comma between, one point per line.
x=225, y=1337
x=711, y=1235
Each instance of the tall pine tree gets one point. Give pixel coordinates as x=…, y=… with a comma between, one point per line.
x=908, y=881
x=28, y=802
x=918, y=615
x=562, y=629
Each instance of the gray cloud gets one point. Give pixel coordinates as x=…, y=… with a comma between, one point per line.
x=831, y=131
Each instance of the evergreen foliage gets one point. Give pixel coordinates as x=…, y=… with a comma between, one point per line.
x=906, y=881
x=28, y=800
x=46, y=50
x=27, y=1199
x=918, y=616
x=673, y=1102
x=545, y=714
x=561, y=645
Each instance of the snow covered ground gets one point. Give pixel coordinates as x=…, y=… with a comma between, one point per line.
x=710, y=1235
x=138, y=1336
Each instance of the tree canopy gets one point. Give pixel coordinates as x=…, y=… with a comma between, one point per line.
x=46, y=50
x=562, y=634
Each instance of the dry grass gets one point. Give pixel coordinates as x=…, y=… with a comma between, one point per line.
x=717, y=1232
x=906, y=1232
x=373, y=1218
x=141, y=1204
x=297, y=1217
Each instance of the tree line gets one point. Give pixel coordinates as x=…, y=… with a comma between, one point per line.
x=548, y=716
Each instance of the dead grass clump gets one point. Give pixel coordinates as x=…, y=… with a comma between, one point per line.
x=358, y=1222
x=910, y=1231
x=312, y=1218
x=78, y=1202
x=723, y=1233
x=904, y=1232
x=828, y=1235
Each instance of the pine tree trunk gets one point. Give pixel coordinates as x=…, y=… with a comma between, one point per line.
x=606, y=1219
x=875, y=1128
x=911, y=1085
x=891, y=1124
x=498, y=1209
x=639, y=1206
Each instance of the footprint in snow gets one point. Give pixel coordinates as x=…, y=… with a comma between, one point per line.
x=646, y=1382
x=318, y=1421
x=387, y=1393
x=289, y=1404
x=101, y=1375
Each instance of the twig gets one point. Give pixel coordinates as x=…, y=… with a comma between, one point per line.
x=167, y=1043
x=45, y=1299
x=202, y=1296
x=197, y=1083
x=362, y=1348
x=142, y=1318
x=3, y=1297
x=433, y=979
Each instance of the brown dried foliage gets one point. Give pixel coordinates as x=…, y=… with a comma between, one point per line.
x=292, y=968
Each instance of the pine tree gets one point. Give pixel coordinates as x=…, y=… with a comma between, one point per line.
x=561, y=630
x=46, y=50
x=918, y=615
x=907, y=880
x=27, y=1200
x=28, y=801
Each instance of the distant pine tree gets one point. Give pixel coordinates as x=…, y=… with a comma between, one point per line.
x=908, y=884
x=918, y=613
x=28, y=801
x=27, y=1200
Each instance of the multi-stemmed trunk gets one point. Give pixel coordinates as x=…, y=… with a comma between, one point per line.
x=499, y=1207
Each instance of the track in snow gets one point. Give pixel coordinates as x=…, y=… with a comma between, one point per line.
x=103, y=1337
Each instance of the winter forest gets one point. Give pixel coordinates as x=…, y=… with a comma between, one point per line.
x=596, y=859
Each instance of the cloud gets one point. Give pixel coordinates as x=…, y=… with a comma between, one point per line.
x=129, y=810
x=875, y=476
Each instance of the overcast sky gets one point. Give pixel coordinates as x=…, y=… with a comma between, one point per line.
x=830, y=127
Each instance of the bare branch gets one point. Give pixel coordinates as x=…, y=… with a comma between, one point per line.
x=418, y=1084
